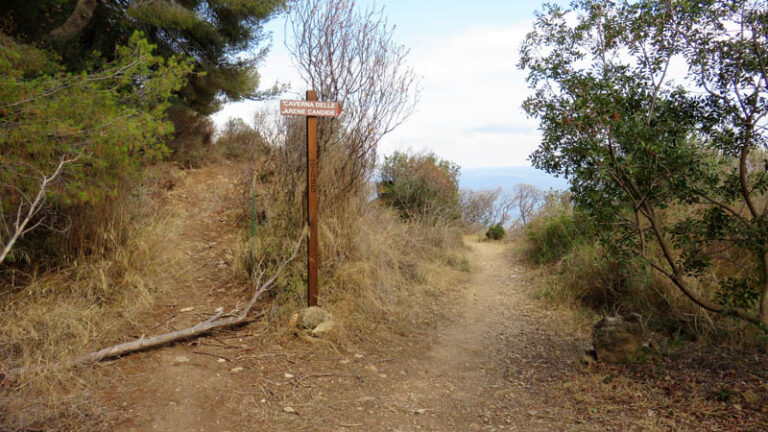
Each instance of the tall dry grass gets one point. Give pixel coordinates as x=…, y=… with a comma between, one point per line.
x=94, y=300
x=376, y=269
x=579, y=270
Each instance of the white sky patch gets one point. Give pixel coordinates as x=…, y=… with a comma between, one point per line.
x=470, y=108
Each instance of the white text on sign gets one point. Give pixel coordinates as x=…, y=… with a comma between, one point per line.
x=310, y=108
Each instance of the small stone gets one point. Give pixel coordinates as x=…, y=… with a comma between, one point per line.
x=187, y=309
x=289, y=410
x=324, y=328
x=419, y=411
x=263, y=401
x=617, y=339
x=359, y=356
x=237, y=369
x=180, y=360
x=371, y=368
x=288, y=376
x=221, y=360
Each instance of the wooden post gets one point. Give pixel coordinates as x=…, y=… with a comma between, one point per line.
x=311, y=109
x=312, y=204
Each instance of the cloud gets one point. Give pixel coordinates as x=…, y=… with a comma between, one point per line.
x=470, y=108
x=499, y=129
x=470, y=111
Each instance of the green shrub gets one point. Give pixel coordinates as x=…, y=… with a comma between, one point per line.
x=552, y=237
x=495, y=232
x=99, y=127
x=583, y=270
x=421, y=187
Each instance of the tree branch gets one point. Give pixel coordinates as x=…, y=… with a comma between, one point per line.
x=211, y=323
x=20, y=226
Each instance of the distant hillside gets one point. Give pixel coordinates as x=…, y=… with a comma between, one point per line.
x=506, y=177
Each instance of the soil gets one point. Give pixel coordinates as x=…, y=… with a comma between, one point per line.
x=501, y=361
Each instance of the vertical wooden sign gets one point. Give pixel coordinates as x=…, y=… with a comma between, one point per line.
x=312, y=204
x=312, y=109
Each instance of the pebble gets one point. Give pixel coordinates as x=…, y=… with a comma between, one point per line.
x=371, y=368
x=289, y=410
x=181, y=359
x=237, y=369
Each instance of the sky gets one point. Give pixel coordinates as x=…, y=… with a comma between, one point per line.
x=466, y=54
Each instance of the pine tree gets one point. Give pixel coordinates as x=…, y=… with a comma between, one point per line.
x=224, y=37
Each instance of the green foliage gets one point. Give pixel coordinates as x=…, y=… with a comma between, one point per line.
x=552, y=237
x=495, y=232
x=635, y=143
x=214, y=33
x=556, y=229
x=106, y=123
x=420, y=187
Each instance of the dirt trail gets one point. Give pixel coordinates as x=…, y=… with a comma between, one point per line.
x=482, y=370
x=501, y=360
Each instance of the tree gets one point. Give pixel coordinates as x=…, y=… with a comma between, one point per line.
x=349, y=55
x=70, y=139
x=224, y=37
x=634, y=142
x=526, y=199
x=478, y=207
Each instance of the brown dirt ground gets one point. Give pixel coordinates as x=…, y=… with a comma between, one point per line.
x=502, y=361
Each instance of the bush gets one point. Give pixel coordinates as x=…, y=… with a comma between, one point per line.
x=495, y=232
x=421, y=187
x=239, y=141
x=552, y=237
x=95, y=130
x=583, y=270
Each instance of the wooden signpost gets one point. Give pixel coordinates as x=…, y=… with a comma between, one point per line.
x=311, y=109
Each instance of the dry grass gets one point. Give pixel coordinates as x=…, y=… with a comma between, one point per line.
x=378, y=274
x=376, y=271
x=80, y=307
x=684, y=385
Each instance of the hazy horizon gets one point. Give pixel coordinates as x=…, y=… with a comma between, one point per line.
x=484, y=178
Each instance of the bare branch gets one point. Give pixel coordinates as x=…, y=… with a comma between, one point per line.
x=24, y=218
x=348, y=55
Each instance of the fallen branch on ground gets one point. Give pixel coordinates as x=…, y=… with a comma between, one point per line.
x=212, y=323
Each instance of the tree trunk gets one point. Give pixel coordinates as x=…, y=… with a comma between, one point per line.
x=76, y=22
